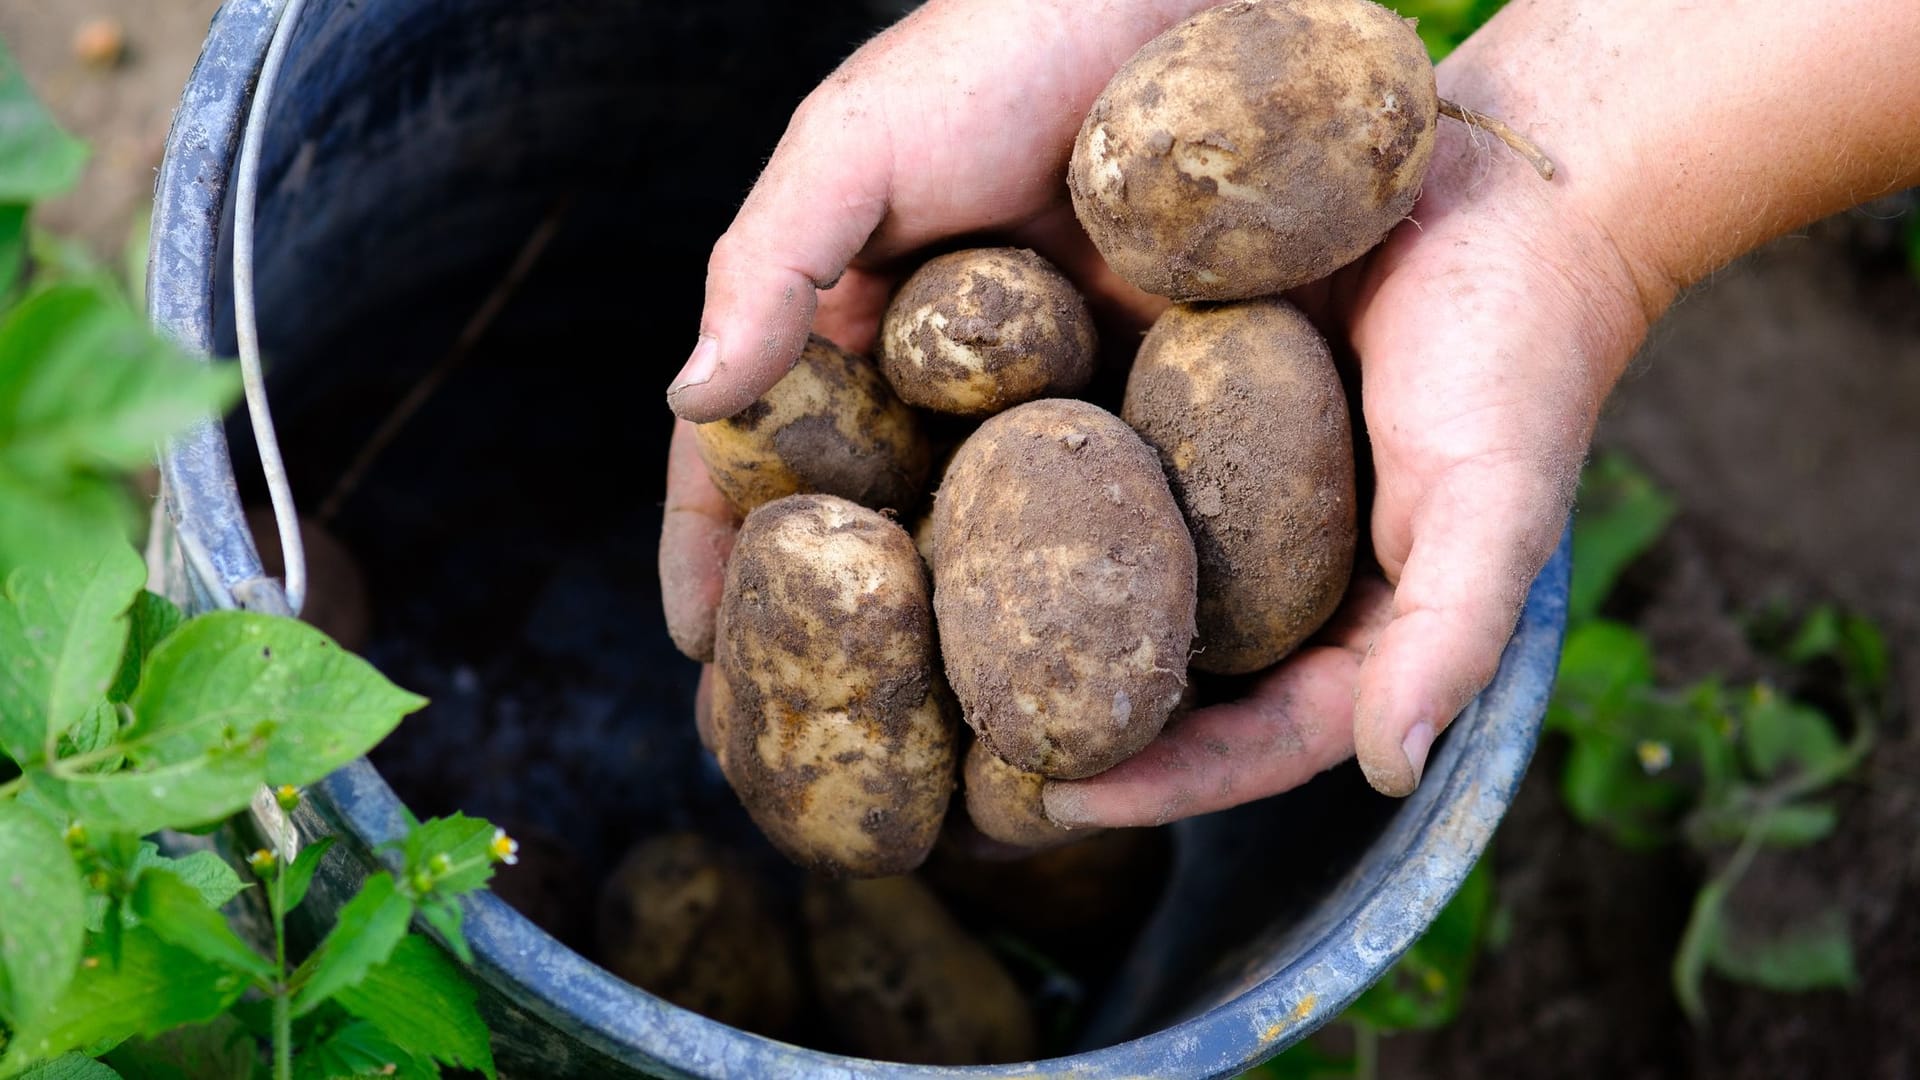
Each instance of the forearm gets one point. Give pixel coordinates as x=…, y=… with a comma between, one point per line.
x=1695, y=132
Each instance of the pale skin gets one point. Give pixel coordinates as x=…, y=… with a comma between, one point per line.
x=1488, y=329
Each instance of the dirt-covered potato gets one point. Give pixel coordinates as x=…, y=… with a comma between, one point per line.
x=833, y=728
x=1257, y=146
x=899, y=980
x=831, y=425
x=1004, y=803
x=1064, y=584
x=682, y=920
x=1244, y=406
x=979, y=331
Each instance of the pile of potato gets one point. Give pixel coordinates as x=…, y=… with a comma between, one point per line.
x=1067, y=566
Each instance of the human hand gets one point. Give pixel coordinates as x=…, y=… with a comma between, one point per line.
x=957, y=121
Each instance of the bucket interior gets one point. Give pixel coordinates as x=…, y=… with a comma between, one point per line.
x=508, y=533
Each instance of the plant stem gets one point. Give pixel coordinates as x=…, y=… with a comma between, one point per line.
x=282, y=995
x=1366, y=1051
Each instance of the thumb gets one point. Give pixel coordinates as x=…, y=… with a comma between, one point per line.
x=1478, y=543
x=820, y=197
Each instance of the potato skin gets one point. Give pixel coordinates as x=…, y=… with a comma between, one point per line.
x=1064, y=585
x=830, y=425
x=682, y=920
x=978, y=331
x=1257, y=146
x=829, y=721
x=899, y=980
x=1246, y=411
x=1004, y=803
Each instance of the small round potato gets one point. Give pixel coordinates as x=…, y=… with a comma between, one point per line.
x=831, y=425
x=899, y=980
x=833, y=728
x=1064, y=584
x=979, y=331
x=1247, y=412
x=1004, y=803
x=681, y=920
x=1257, y=146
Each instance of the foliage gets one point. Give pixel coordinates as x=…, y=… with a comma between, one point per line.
x=121, y=719
x=1444, y=24
x=1726, y=771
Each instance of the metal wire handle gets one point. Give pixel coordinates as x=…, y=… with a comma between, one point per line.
x=286, y=517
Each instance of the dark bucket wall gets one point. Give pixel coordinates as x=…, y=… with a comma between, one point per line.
x=508, y=535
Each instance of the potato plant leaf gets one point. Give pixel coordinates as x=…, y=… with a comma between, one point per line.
x=42, y=915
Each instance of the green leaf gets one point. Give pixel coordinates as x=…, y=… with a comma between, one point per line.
x=1425, y=987
x=1621, y=515
x=179, y=915
x=1696, y=945
x=422, y=1002
x=206, y=872
x=1777, y=732
x=446, y=917
x=85, y=385
x=183, y=795
x=153, y=617
x=300, y=873
x=70, y=1067
x=360, y=1049
x=61, y=633
x=1607, y=785
x=465, y=842
x=153, y=988
x=1602, y=662
x=220, y=1050
x=62, y=525
x=58, y=259
x=1796, y=824
x=42, y=915
x=236, y=670
x=363, y=937
x=13, y=248
x=1815, y=954
x=37, y=159
x=96, y=731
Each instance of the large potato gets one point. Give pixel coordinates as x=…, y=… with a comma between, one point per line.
x=681, y=920
x=1248, y=415
x=830, y=720
x=899, y=980
x=831, y=425
x=1256, y=146
x=1064, y=584
x=978, y=331
x=1004, y=803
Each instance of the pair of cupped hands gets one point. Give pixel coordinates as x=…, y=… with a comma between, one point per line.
x=1486, y=331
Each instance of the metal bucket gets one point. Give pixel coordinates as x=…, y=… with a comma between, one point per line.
x=412, y=148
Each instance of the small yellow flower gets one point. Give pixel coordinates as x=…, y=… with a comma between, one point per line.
x=1654, y=756
x=1434, y=981
x=76, y=835
x=504, y=848
x=262, y=862
x=287, y=796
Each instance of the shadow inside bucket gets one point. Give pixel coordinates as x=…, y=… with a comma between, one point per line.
x=508, y=533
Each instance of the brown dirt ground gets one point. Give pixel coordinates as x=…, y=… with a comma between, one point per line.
x=1779, y=402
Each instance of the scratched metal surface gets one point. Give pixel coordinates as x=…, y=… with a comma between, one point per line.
x=416, y=142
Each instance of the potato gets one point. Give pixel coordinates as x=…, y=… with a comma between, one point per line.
x=979, y=331
x=1244, y=406
x=831, y=425
x=683, y=921
x=899, y=980
x=1083, y=900
x=1004, y=803
x=833, y=729
x=1256, y=146
x=1064, y=586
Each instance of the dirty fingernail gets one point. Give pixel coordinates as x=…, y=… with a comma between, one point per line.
x=1065, y=806
x=1418, y=741
x=700, y=366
